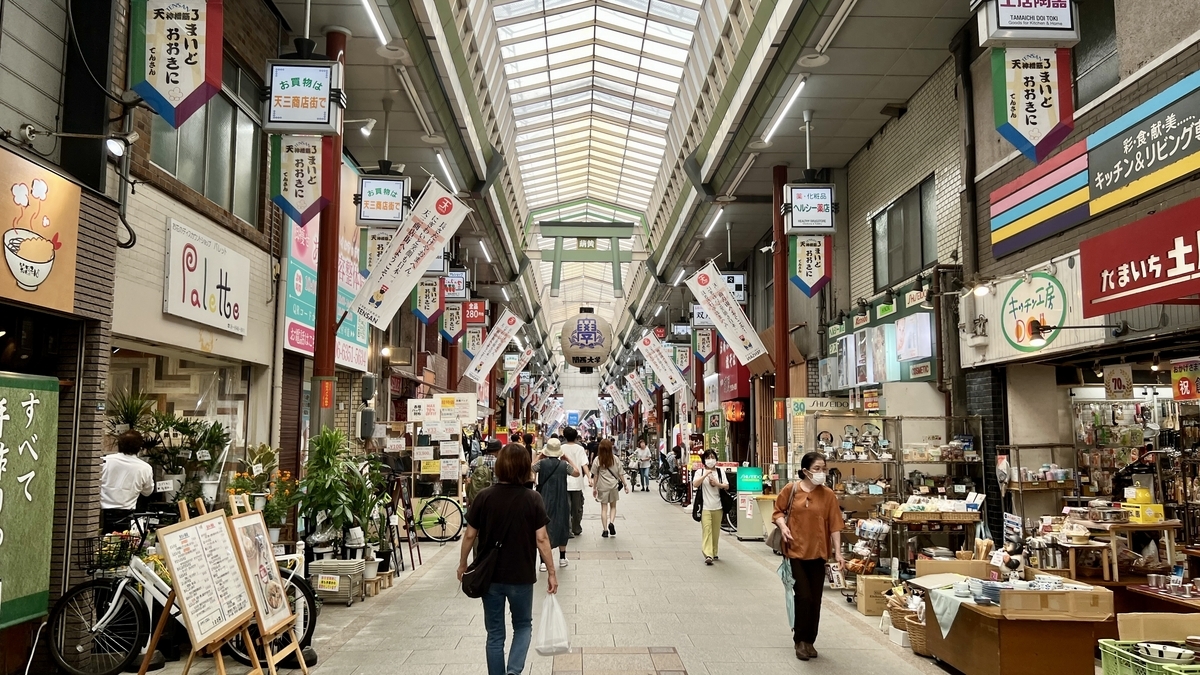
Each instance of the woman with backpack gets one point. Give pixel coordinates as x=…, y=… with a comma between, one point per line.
x=607, y=479
x=551, y=471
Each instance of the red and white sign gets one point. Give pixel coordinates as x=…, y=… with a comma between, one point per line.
x=709, y=287
x=526, y=356
x=1154, y=260
x=660, y=332
x=493, y=347
x=635, y=383
x=733, y=378
x=475, y=311
x=657, y=359
x=617, y=398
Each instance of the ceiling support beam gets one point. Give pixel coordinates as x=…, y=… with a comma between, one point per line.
x=617, y=258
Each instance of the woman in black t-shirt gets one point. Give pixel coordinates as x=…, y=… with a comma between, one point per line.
x=509, y=514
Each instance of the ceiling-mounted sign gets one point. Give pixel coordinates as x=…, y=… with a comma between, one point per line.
x=1049, y=23
x=304, y=97
x=457, y=284
x=652, y=351
x=296, y=175
x=475, y=311
x=704, y=343
x=1118, y=382
x=736, y=281
x=473, y=340
x=450, y=325
x=1034, y=103
x=175, y=55
x=810, y=261
x=639, y=390
x=709, y=287
x=428, y=301
x=497, y=341
x=440, y=265
x=810, y=209
x=382, y=200
x=617, y=398
x=700, y=317
x=206, y=281
x=523, y=360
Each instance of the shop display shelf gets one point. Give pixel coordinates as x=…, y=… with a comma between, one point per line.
x=1043, y=486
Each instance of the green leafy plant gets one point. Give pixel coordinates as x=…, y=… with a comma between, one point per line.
x=168, y=437
x=325, y=494
x=283, y=495
x=127, y=410
x=266, y=460
x=363, y=480
x=208, y=447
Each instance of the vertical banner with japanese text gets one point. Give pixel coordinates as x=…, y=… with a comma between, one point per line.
x=682, y=356
x=451, y=323
x=709, y=287
x=296, y=175
x=1033, y=99
x=526, y=357
x=432, y=222
x=472, y=340
x=810, y=262
x=175, y=55
x=617, y=397
x=497, y=341
x=704, y=343
x=428, y=299
x=1185, y=379
x=635, y=383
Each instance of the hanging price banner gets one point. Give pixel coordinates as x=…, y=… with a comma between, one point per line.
x=810, y=261
x=296, y=175
x=1034, y=105
x=451, y=324
x=428, y=299
x=175, y=55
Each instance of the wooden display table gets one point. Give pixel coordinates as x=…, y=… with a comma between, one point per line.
x=1176, y=603
x=1072, y=564
x=1114, y=530
x=982, y=642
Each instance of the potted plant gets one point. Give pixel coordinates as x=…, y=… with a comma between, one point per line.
x=260, y=465
x=363, y=479
x=325, y=496
x=167, y=435
x=209, y=447
x=279, y=501
x=384, y=552
x=126, y=411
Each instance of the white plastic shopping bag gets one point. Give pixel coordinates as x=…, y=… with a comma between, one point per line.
x=553, y=633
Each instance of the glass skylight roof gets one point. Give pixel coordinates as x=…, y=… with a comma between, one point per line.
x=592, y=86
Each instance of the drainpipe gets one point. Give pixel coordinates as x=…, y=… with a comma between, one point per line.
x=969, y=221
x=277, y=360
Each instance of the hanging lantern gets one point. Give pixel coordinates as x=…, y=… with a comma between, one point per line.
x=586, y=340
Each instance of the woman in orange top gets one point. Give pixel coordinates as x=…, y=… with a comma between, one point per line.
x=809, y=519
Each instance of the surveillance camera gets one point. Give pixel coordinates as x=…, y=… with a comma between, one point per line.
x=770, y=248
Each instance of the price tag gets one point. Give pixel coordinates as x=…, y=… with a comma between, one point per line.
x=394, y=520
x=941, y=491
x=329, y=582
x=997, y=558
x=257, y=469
x=960, y=489
x=203, y=455
x=164, y=486
x=883, y=442
x=846, y=445
x=1066, y=510
x=1130, y=493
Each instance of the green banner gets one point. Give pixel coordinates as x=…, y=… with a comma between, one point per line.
x=28, y=451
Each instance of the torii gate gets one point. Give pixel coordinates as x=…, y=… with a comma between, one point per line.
x=585, y=251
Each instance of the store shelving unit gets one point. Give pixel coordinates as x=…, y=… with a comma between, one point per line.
x=1066, y=489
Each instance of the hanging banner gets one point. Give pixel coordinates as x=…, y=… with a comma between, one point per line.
x=810, y=261
x=682, y=358
x=526, y=357
x=303, y=97
x=709, y=287
x=1185, y=379
x=382, y=200
x=617, y=398
x=428, y=300
x=493, y=347
x=704, y=343
x=475, y=311
x=457, y=285
x=296, y=175
x=650, y=382
x=472, y=340
x=426, y=230
x=1034, y=104
x=451, y=323
x=1118, y=382
x=635, y=383
x=171, y=64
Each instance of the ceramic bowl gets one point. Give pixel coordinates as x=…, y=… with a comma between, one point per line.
x=1162, y=651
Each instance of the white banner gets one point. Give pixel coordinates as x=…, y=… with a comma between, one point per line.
x=682, y=357
x=526, y=357
x=493, y=347
x=472, y=341
x=635, y=382
x=451, y=323
x=421, y=238
x=618, y=399
x=711, y=291
x=207, y=282
x=652, y=350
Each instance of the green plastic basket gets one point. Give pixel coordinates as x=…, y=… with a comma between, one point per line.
x=1119, y=658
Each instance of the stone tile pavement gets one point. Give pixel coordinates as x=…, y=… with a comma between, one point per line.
x=642, y=602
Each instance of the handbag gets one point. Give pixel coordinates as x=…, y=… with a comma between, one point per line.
x=774, y=538
x=698, y=505
x=478, y=577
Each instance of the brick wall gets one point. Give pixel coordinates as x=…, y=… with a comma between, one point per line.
x=986, y=397
x=926, y=140
x=1173, y=70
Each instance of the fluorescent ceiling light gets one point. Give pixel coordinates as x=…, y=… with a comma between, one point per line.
x=658, y=311
x=486, y=253
x=713, y=224
x=504, y=290
x=384, y=38
x=446, y=171
x=782, y=113
x=678, y=277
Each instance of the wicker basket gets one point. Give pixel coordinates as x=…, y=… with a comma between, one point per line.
x=899, y=614
x=916, y=636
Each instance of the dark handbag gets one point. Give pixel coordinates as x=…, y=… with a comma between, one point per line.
x=698, y=505
x=478, y=577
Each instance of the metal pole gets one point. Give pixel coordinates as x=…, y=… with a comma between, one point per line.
x=782, y=353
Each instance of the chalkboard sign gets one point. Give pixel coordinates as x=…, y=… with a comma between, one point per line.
x=28, y=451
x=209, y=583
x=271, y=607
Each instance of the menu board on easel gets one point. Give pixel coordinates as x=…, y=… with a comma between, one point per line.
x=271, y=607
x=209, y=584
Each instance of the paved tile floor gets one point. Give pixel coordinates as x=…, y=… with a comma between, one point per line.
x=642, y=602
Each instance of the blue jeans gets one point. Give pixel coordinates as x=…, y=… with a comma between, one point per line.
x=645, y=471
x=520, y=601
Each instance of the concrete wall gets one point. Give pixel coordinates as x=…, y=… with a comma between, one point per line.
x=32, y=58
x=1147, y=28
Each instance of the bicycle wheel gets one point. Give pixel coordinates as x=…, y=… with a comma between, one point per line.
x=441, y=519
x=304, y=605
x=665, y=491
x=82, y=647
x=729, y=521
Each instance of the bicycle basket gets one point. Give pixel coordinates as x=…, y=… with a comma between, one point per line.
x=104, y=553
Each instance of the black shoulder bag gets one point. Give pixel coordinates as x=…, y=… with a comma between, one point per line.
x=698, y=504
x=478, y=577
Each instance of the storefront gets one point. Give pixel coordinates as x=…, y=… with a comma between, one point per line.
x=733, y=393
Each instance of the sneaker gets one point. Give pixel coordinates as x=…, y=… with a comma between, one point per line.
x=716, y=557
x=708, y=561
x=542, y=567
x=562, y=562
x=612, y=529
x=604, y=533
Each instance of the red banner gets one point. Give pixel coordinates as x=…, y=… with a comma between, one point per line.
x=475, y=311
x=1151, y=261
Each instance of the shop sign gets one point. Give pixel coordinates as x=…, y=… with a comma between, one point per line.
x=206, y=281
x=703, y=344
x=811, y=211
x=296, y=175
x=920, y=370
x=810, y=261
x=735, y=411
x=712, y=292
x=837, y=329
x=300, y=308
x=304, y=97
x=456, y=283
x=433, y=221
x=871, y=400
x=524, y=390
x=914, y=298
x=660, y=332
x=1185, y=379
x=475, y=311
x=733, y=378
x=382, y=200
x=883, y=311
x=861, y=320
x=372, y=243
x=473, y=340
x=651, y=382
x=736, y=281
x=657, y=358
x=700, y=317
x=428, y=301
x=440, y=265
x=1041, y=299
x=497, y=341
x=683, y=358
x=639, y=390
x=1152, y=261
x=171, y=65
x=1035, y=14
x=40, y=235
x=1118, y=382
x=523, y=360
x=1032, y=95
x=450, y=325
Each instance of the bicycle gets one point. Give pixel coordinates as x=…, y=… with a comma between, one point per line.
x=671, y=489
x=99, y=627
x=440, y=519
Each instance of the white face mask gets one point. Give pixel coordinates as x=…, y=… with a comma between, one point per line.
x=819, y=478
x=710, y=463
